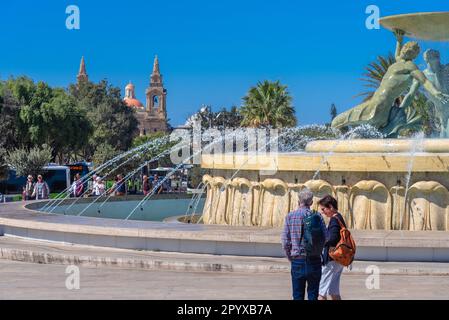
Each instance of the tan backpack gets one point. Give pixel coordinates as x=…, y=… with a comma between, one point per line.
x=344, y=251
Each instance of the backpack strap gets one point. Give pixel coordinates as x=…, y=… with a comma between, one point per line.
x=302, y=228
x=304, y=216
x=339, y=221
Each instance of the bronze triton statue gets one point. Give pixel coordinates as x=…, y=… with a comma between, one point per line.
x=438, y=74
x=400, y=77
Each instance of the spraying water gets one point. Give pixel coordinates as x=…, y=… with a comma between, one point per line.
x=417, y=146
x=65, y=194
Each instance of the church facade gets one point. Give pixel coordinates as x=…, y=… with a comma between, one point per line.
x=153, y=116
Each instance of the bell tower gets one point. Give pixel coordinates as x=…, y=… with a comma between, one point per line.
x=82, y=74
x=156, y=100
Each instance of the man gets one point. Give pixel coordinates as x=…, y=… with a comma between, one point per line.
x=305, y=268
x=399, y=77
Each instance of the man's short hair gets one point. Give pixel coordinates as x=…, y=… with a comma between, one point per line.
x=431, y=54
x=329, y=201
x=305, y=197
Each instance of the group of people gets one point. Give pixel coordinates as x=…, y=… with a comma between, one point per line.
x=151, y=182
x=96, y=187
x=35, y=190
x=311, y=262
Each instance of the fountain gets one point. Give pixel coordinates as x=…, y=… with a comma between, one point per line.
x=393, y=192
x=380, y=184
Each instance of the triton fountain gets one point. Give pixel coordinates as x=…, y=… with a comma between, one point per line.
x=393, y=192
x=380, y=184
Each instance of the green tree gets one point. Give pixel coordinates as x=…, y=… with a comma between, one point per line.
x=29, y=161
x=10, y=126
x=228, y=118
x=3, y=165
x=53, y=118
x=68, y=128
x=161, y=144
x=22, y=89
x=104, y=153
x=112, y=121
x=268, y=104
x=224, y=118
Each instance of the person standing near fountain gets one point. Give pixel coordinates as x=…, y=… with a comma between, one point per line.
x=120, y=189
x=28, y=189
x=41, y=189
x=77, y=186
x=300, y=227
x=146, y=185
x=331, y=273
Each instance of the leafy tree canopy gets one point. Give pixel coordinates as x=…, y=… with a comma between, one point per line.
x=29, y=161
x=269, y=104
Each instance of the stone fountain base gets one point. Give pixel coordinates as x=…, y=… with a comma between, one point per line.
x=16, y=220
x=380, y=184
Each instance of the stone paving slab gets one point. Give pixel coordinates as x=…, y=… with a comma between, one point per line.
x=44, y=252
x=20, y=280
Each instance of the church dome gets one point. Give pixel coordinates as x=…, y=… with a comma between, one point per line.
x=130, y=97
x=133, y=103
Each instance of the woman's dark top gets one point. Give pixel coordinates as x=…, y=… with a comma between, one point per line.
x=146, y=186
x=121, y=187
x=332, y=236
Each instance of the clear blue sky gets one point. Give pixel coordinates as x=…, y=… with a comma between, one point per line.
x=210, y=52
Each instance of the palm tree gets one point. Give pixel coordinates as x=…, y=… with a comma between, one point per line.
x=268, y=104
x=375, y=72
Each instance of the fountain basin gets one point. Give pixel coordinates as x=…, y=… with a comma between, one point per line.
x=18, y=221
x=379, y=185
x=159, y=208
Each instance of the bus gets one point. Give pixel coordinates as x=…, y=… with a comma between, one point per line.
x=57, y=178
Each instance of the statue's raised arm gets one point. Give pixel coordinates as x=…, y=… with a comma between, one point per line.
x=399, y=34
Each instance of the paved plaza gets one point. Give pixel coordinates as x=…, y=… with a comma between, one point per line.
x=19, y=280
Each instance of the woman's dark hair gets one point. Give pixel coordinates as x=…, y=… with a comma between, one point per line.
x=329, y=201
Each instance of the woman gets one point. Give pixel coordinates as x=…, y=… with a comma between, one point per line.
x=146, y=185
x=41, y=189
x=99, y=187
x=331, y=271
x=120, y=188
x=77, y=187
x=28, y=189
